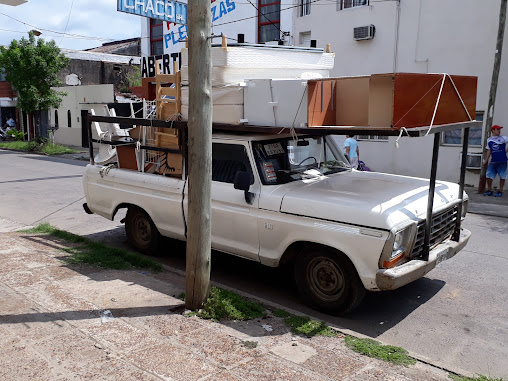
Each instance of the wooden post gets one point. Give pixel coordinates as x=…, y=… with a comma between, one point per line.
x=493, y=91
x=197, y=280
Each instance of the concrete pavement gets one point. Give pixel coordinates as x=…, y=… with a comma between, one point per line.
x=487, y=205
x=52, y=328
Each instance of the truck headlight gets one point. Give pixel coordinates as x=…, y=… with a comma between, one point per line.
x=397, y=247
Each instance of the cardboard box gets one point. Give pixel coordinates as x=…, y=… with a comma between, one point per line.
x=170, y=163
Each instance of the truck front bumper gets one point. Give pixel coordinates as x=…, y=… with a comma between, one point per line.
x=390, y=279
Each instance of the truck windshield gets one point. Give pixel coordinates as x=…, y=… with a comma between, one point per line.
x=283, y=160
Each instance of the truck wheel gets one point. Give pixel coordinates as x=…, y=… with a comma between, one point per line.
x=142, y=233
x=327, y=280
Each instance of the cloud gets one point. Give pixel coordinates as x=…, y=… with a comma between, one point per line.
x=95, y=19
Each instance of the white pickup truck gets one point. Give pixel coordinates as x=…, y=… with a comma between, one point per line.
x=279, y=199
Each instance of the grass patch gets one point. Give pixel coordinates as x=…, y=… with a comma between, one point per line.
x=281, y=313
x=56, y=149
x=479, y=378
x=95, y=253
x=223, y=304
x=250, y=344
x=24, y=146
x=46, y=148
x=304, y=325
x=372, y=348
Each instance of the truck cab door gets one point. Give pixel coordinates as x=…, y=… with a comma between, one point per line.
x=234, y=220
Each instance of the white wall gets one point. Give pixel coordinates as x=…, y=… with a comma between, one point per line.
x=329, y=26
x=78, y=98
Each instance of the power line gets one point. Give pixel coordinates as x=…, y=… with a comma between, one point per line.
x=59, y=33
x=67, y=23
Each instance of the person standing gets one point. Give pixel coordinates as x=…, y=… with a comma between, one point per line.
x=496, y=148
x=352, y=151
x=10, y=123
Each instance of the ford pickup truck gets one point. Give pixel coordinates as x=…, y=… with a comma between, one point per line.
x=282, y=199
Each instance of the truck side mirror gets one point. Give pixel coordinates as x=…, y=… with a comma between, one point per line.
x=242, y=182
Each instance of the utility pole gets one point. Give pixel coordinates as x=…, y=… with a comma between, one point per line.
x=197, y=278
x=493, y=91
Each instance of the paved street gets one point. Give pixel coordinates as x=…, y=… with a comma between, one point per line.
x=456, y=317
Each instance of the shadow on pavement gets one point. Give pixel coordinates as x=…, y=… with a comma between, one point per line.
x=378, y=313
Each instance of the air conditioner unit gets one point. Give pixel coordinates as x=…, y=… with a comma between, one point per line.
x=473, y=161
x=364, y=32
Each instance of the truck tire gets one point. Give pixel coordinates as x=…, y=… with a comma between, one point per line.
x=327, y=280
x=142, y=234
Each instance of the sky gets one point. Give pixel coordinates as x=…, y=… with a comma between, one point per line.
x=96, y=19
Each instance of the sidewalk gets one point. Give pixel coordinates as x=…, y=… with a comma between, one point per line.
x=51, y=329
x=487, y=205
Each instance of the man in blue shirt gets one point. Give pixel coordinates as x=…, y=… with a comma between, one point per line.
x=352, y=151
x=496, y=147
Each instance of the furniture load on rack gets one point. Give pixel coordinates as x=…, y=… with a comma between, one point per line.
x=397, y=100
x=393, y=100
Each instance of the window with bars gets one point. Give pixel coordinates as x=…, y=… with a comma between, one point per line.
x=303, y=7
x=156, y=36
x=373, y=138
x=454, y=137
x=345, y=4
x=268, y=21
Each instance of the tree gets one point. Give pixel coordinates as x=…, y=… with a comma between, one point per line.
x=32, y=68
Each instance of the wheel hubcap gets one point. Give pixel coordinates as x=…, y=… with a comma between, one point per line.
x=325, y=278
x=143, y=230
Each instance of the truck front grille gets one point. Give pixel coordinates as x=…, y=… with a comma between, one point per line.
x=443, y=224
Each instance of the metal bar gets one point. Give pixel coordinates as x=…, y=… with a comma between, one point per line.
x=178, y=125
x=86, y=123
x=322, y=130
x=148, y=148
x=430, y=202
x=465, y=143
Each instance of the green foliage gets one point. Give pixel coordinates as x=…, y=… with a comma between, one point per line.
x=250, y=344
x=479, y=378
x=38, y=146
x=96, y=253
x=56, y=149
x=16, y=134
x=281, y=313
x=223, y=304
x=372, y=348
x=32, y=67
x=304, y=325
x=22, y=146
x=134, y=77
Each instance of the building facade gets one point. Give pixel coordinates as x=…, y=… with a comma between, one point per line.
x=259, y=21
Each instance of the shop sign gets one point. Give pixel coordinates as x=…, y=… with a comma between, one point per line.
x=165, y=10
